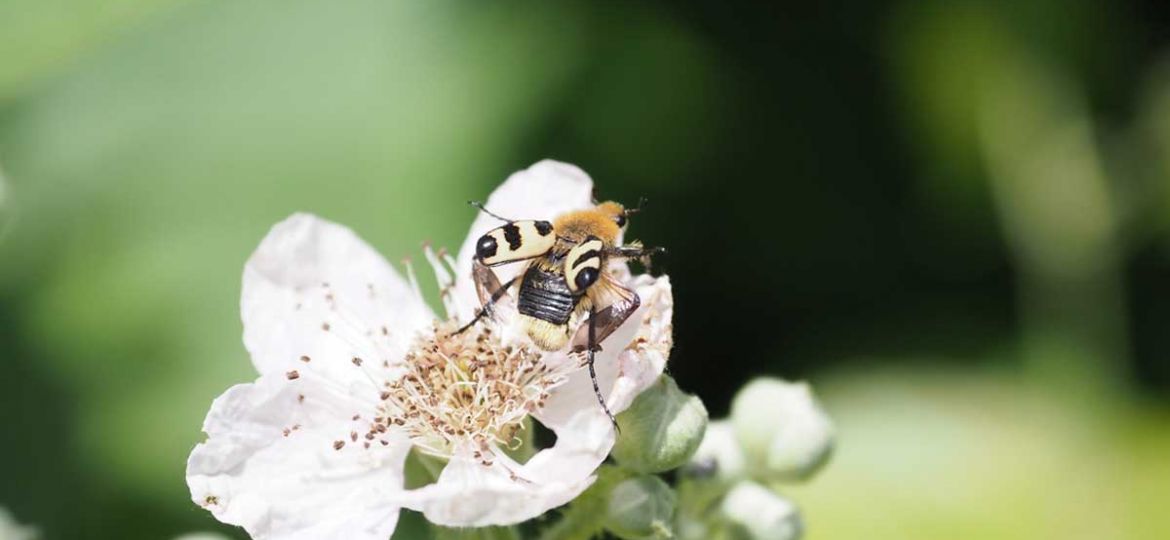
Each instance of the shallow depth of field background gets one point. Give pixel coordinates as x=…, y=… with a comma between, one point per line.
x=953, y=218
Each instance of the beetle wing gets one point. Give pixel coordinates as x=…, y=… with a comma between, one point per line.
x=486, y=281
x=488, y=287
x=613, y=303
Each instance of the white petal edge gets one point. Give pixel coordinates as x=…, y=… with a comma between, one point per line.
x=314, y=289
x=295, y=486
x=545, y=190
x=469, y=494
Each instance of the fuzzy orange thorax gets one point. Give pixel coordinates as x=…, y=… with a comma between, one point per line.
x=599, y=221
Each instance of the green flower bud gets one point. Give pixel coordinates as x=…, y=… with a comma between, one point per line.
x=641, y=507
x=661, y=429
x=756, y=513
x=782, y=429
x=719, y=455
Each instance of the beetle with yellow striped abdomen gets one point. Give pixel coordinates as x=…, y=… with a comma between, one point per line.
x=564, y=285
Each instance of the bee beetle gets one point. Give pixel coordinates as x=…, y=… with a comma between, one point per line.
x=564, y=280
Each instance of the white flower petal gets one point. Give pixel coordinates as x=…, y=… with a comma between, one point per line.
x=270, y=465
x=316, y=296
x=584, y=439
x=543, y=191
x=645, y=358
x=761, y=513
x=470, y=494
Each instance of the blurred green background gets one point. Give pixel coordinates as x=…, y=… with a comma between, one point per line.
x=953, y=218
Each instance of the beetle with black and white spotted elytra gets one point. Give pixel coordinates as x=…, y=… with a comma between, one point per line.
x=564, y=285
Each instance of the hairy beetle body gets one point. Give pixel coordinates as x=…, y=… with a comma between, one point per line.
x=565, y=283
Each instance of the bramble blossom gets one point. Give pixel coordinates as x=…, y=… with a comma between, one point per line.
x=355, y=370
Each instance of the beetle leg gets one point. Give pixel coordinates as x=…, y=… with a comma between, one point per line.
x=593, y=371
x=636, y=251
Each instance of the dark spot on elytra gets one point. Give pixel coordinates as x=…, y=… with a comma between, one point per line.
x=585, y=278
x=512, y=236
x=486, y=247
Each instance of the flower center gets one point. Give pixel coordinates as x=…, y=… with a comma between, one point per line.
x=466, y=387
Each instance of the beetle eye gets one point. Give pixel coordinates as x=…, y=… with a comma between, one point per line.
x=620, y=219
x=585, y=278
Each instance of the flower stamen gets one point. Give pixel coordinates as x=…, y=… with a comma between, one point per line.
x=465, y=390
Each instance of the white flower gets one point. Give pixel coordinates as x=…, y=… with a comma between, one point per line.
x=355, y=370
x=784, y=432
x=10, y=529
x=760, y=513
x=719, y=454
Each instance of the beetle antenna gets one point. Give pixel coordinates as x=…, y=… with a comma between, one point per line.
x=641, y=204
x=483, y=209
